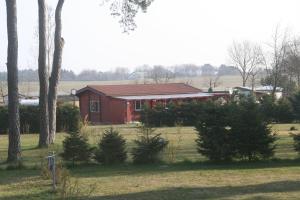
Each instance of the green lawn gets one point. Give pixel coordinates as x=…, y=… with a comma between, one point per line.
x=184, y=176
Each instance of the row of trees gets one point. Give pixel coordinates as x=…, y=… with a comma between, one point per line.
x=126, y=10
x=157, y=73
x=111, y=148
x=234, y=131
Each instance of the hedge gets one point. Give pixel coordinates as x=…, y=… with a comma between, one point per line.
x=187, y=114
x=67, y=119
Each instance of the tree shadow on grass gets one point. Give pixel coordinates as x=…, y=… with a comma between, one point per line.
x=16, y=176
x=258, y=191
x=190, y=193
x=130, y=169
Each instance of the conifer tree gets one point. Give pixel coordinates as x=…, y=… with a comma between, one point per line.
x=111, y=148
x=76, y=148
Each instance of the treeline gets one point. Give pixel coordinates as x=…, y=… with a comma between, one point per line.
x=157, y=73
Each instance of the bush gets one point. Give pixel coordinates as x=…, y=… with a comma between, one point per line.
x=3, y=120
x=283, y=111
x=296, y=138
x=295, y=101
x=68, y=119
x=159, y=115
x=76, y=148
x=214, y=134
x=252, y=137
x=29, y=119
x=267, y=108
x=188, y=113
x=148, y=146
x=185, y=113
x=279, y=112
x=111, y=148
x=234, y=131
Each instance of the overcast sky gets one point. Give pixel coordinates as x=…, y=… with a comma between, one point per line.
x=171, y=32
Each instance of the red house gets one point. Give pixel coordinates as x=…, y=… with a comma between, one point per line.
x=119, y=104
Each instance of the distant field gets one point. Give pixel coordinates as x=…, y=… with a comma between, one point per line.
x=201, y=82
x=185, y=177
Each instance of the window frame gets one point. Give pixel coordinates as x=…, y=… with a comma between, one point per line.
x=98, y=106
x=140, y=103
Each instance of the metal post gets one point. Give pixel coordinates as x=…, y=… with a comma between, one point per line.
x=73, y=93
x=51, y=167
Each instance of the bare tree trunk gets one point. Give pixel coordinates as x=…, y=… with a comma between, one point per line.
x=244, y=82
x=50, y=25
x=56, y=67
x=43, y=78
x=14, y=147
x=2, y=91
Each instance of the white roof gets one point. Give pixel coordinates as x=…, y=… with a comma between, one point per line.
x=243, y=88
x=267, y=88
x=260, y=88
x=29, y=102
x=171, y=96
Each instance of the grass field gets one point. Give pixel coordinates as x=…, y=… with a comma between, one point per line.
x=185, y=176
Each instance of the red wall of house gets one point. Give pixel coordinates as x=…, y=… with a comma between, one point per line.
x=112, y=111
x=117, y=111
x=132, y=114
x=84, y=100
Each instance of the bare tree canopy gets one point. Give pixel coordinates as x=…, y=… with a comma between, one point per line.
x=293, y=60
x=246, y=57
x=275, y=58
x=159, y=74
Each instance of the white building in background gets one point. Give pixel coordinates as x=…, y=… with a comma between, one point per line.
x=24, y=100
x=268, y=90
x=32, y=98
x=259, y=91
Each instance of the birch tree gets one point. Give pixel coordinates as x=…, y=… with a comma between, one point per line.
x=43, y=77
x=56, y=68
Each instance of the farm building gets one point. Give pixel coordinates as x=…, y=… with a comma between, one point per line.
x=119, y=104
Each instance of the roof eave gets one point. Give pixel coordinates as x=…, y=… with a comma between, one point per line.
x=88, y=88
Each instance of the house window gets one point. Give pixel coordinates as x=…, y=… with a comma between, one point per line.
x=94, y=106
x=138, y=105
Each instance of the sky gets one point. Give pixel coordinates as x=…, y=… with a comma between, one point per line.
x=171, y=32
